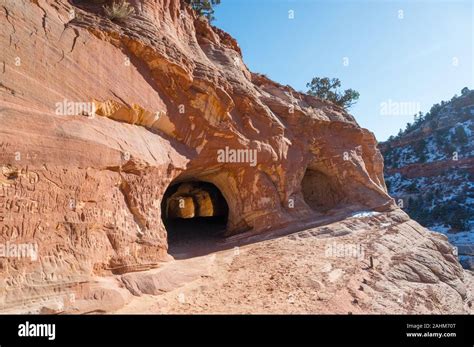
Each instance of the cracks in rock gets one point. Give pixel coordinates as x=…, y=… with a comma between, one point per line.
x=149, y=150
x=34, y=32
x=4, y=87
x=62, y=57
x=121, y=99
x=139, y=219
x=7, y=14
x=43, y=19
x=274, y=185
x=74, y=40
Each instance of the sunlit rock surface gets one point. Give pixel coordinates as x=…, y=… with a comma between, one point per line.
x=98, y=119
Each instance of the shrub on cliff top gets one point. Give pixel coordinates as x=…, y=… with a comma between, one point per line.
x=119, y=10
x=204, y=8
x=327, y=89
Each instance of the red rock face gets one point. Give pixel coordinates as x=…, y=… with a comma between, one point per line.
x=99, y=118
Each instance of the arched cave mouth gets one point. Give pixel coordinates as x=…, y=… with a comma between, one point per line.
x=320, y=191
x=195, y=215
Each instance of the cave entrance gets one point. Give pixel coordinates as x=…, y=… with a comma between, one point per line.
x=195, y=216
x=320, y=192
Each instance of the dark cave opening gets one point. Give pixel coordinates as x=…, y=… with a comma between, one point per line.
x=195, y=215
x=320, y=192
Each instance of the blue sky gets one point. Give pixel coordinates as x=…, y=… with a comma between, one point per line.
x=415, y=52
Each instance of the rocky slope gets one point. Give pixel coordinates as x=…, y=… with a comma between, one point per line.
x=103, y=122
x=319, y=270
x=430, y=167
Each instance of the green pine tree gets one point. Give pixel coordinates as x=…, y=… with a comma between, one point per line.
x=204, y=8
x=328, y=89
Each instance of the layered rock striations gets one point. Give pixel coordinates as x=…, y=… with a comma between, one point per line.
x=99, y=118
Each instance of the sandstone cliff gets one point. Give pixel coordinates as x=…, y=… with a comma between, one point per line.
x=100, y=120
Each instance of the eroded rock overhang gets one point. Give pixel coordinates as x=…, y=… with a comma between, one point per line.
x=173, y=101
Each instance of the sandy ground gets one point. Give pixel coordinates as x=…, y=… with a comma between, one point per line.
x=298, y=273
